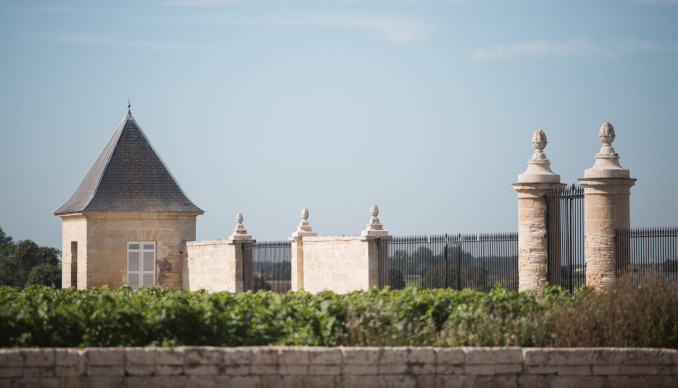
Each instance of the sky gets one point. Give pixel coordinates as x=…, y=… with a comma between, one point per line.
x=426, y=108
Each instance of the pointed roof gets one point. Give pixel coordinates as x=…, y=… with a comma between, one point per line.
x=128, y=175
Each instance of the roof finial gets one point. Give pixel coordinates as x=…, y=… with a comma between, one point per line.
x=129, y=106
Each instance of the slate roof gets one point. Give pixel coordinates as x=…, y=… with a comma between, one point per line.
x=128, y=176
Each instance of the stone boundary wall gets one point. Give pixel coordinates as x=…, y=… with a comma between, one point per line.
x=211, y=265
x=337, y=263
x=338, y=367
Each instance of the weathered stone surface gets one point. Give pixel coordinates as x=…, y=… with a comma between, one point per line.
x=422, y=360
x=264, y=361
x=394, y=360
x=105, y=362
x=361, y=361
x=203, y=360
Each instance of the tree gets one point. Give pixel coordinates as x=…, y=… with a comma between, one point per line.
x=435, y=278
x=17, y=260
x=259, y=283
x=45, y=274
x=396, y=280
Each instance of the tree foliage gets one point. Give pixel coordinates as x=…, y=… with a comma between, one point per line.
x=18, y=260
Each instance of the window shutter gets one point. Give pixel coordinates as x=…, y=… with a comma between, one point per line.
x=148, y=264
x=134, y=264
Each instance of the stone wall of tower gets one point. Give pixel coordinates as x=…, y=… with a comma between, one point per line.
x=102, y=245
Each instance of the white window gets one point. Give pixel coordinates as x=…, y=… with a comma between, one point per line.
x=140, y=263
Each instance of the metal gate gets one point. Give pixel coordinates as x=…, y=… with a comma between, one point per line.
x=450, y=261
x=268, y=266
x=566, y=265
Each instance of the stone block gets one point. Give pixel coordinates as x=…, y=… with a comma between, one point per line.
x=324, y=356
x=358, y=381
x=293, y=361
x=361, y=361
x=577, y=381
x=608, y=356
x=480, y=356
x=504, y=381
x=574, y=370
x=535, y=356
x=320, y=381
x=422, y=360
x=640, y=356
x=70, y=362
x=203, y=360
x=640, y=381
x=393, y=360
x=606, y=370
x=280, y=381
x=635, y=369
x=478, y=369
x=532, y=381
x=105, y=362
x=140, y=361
x=264, y=361
x=457, y=381
x=450, y=361
x=502, y=369
x=100, y=382
x=429, y=381
x=237, y=361
x=540, y=369
x=570, y=357
x=11, y=363
x=509, y=355
x=41, y=382
x=169, y=361
x=397, y=381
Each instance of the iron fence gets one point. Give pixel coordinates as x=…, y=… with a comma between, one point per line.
x=453, y=261
x=648, y=251
x=271, y=266
x=566, y=263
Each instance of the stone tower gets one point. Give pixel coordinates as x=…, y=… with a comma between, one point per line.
x=128, y=221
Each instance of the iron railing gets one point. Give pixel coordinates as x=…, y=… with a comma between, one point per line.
x=648, y=251
x=566, y=264
x=271, y=266
x=453, y=261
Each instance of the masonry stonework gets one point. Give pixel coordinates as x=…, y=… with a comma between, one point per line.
x=280, y=367
x=102, y=239
x=532, y=187
x=607, y=188
x=336, y=263
x=218, y=265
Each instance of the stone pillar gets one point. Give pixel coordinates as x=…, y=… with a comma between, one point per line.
x=243, y=263
x=375, y=237
x=607, y=188
x=297, y=239
x=532, y=187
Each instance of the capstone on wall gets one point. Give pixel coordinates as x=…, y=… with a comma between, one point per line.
x=102, y=239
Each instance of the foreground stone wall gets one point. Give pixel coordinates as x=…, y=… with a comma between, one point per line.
x=339, y=367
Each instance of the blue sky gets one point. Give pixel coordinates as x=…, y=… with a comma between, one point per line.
x=265, y=107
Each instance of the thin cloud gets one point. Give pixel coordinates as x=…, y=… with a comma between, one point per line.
x=394, y=29
x=541, y=48
x=116, y=41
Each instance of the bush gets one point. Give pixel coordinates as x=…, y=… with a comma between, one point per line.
x=622, y=316
x=46, y=275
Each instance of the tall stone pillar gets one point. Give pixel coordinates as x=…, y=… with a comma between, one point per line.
x=532, y=187
x=607, y=188
x=243, y=263
x=376, y=239
x=297, y=239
